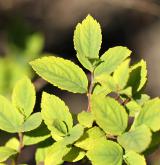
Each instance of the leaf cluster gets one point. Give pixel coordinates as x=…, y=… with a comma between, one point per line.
x=115, y=129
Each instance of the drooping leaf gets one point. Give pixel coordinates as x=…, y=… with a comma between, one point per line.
x=13, y=143
x=32, y=122
x=86, y=119
x=23, y=97
x=138, y=76
x=106, y=152
x=6, y=152
x=133, y=108
x=132, y=158
x=109, y=115
x=53, y=108
x=136, y=140
x=121, y=75
x=74, y=155
x=10, y=119
x=90, y=137
x=37, y=135
x=61, y=73
x=112, y=58
x=149, y=115
x=88, y=38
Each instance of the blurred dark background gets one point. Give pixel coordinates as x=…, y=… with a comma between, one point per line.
x=30, y=29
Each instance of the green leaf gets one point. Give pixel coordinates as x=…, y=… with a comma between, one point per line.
x=32, y=122
x=88, y=38
x=106, y=152
x=13, y=143
x=37, y=135
x=53, y=108
x=121, y=74
x=74, y=155
x=133, y=107
x=61, y=73
x=109, y=115
x=6, y=152
x=10, y=119
x=132, y=158
x=23, y=97
x=112, y=58
x=137, y=140
x=56, y=153
x=149, y=115
x=86, y=119
x=90, y=137
x=138, y=76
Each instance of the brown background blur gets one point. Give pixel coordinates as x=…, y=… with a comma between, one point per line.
x=131, y=23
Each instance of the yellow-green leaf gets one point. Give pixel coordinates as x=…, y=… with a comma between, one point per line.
x=109, y=115
x=90, y=137
x=149, y=115
x=121, y=74
x=10, y=119
x=136, y=140
x=88, y=38
x=23, y=97
x=112, y=58
x=61, y=73
x=53, y=108
x=132, y=158
x=106, y=153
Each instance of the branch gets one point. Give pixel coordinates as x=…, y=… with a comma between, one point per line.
x=90, y=93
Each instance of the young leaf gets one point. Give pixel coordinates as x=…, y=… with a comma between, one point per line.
x=35, y=136
x=75, y=133
x=121, y=74
x=6, y=152
x=32, y=122
x=132, y=158
x=136, y=140
x=149, y=115
x=10, y=119
x=23, y=97
x=13, y=143
x=88, y=38
x=53, y=108
x=86, y=119
x=109, y=115
x=107, y=85
x=138, y=76
x=112, y=58
x=85, y=62
x=106, y=152
x=74, y=155
x=90, y=137
x=61, y=73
